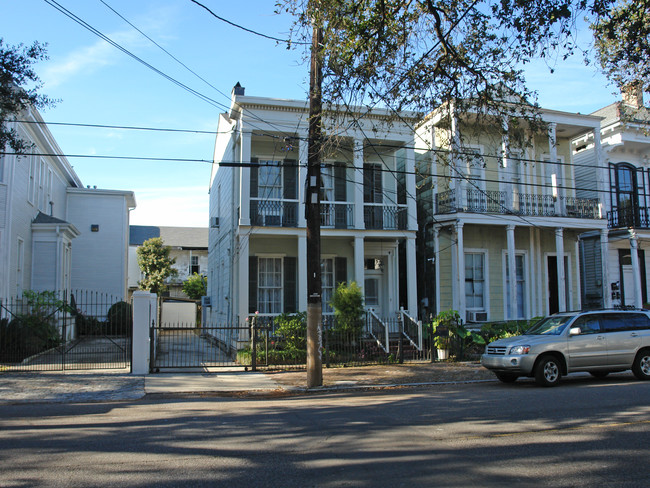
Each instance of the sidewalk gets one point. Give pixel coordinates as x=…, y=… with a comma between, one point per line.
x=106, y=386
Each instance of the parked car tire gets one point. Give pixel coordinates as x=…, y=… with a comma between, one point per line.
x=599, y=374
x=507, y=377
x=548, y=371
x=641, y=366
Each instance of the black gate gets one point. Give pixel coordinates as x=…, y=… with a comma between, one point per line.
x=47, y=331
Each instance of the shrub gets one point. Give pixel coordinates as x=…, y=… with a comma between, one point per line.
x=291, y=336
x=119, y=319
x=87, y=325
x=347, y=302
x=28, y=334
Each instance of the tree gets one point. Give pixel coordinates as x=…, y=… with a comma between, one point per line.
x=196, y=286
x=155, y=264
x=347, y=302
x=419, y=54
x=19, y=84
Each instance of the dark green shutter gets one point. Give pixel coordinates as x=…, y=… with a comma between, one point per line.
x=290, y=285
x=252, y=284
x=340, y=270
x=290, y=179
x=254, y=204
x=340, y=183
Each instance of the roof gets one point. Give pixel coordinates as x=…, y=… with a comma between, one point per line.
x=42, y=218
x=179, y=237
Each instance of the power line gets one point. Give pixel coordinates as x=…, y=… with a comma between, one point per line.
x=125, y=127
x=97, y=156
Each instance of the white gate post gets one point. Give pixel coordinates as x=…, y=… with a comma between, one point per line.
x=144, y=311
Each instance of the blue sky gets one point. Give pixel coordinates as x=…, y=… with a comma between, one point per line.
x=98, y=84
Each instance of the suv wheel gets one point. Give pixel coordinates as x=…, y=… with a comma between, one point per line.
x=548, y=371
x=641, y=366
x=507, y=377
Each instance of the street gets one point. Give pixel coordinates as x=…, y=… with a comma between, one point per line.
x=586, y=432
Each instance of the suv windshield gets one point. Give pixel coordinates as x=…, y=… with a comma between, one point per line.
x=549, y=326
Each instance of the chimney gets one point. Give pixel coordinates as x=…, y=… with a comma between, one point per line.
x=238, y=90
x=633, y=94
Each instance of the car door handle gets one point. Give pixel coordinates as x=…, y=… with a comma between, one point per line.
x=600, y=338
x=634, y=334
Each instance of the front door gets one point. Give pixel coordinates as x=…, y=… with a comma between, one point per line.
x=374, y=284
x=553, y=299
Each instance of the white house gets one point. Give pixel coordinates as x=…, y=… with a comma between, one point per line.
x=257, y=243
x=188, y=246
x=48, y=240
x=501, y=214
x=619, y=274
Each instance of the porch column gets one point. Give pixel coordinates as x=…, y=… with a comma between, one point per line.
x=504, y=179
x=242, y=264
x=359, y=254
x=561, y=272
x=436, y=263
x=457, y=173
x=636, y=271
x=552, y=149
x=357, y=157
x=602, y=175
x=604, y=260
x=411, y=209
x=411, y=278
x=392, y=279
x=302, y=179
x=532, y=289
x=302, y=272
x=512, y=272
x=245, y=182
x=460, y=270
x=578, y=274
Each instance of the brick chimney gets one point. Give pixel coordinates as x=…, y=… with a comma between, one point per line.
x=633, y=94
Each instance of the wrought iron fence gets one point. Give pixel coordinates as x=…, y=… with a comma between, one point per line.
x=638, y=217
x=59, y=331
x=274, y=213
x=336, y=215
x=385, y=217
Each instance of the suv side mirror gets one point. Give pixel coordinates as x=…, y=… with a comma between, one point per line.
x=575, y=331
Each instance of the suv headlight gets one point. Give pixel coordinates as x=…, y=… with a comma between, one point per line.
x=518, y=350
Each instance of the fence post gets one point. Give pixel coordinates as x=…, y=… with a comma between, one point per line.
x=145, y=311
x=254, y=343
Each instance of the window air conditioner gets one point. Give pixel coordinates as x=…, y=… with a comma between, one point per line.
x=214, y=222
x=471, y=316
x=206, y=302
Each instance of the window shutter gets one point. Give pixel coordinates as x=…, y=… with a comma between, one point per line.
x=290, y=288
x=254, y=177
x=290, y=179
x=252, y=284
x=340, y=183
x=340, y=270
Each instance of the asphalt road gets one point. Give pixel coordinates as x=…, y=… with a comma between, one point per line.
x=585, y=432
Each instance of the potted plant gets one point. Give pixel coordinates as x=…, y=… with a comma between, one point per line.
x=440, y=328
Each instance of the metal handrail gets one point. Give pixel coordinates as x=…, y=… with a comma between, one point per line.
x=377, y=329
x=412, y=329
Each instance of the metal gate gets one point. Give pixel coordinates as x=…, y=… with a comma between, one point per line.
x=46, y=331
x=198, y=347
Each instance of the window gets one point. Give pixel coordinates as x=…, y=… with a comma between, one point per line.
x=2, y=167
x=371, y=289
x=41, y=186
x=372, y=183
x=20, y=262
x=588, y=324
x=31, y=188
x=270, y=181
x=327, y=181
x=327, y=283
x=521, y=286
x=270, y=285
x=194, y=265
x=475, y=281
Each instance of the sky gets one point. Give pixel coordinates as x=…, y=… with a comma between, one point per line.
x=97, y=84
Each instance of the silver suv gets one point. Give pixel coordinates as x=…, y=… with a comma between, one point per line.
x=599, y=342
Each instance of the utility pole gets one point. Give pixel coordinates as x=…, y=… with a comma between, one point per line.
x=312, y=210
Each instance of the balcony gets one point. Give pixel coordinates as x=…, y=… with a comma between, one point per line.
x=637, y=217
x=524, y=204
x=336, y=215
x=384, y=217
x=274, y=213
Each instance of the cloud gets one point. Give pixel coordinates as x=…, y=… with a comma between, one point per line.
x=84, y=60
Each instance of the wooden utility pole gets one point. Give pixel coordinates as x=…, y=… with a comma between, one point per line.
x=312, y=209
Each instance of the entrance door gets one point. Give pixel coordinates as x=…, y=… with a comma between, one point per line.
x=374, y=284
x=551, y=272
x=628, y=284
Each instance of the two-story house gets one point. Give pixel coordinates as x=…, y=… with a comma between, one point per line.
x=258, y=245
x=500, y=215
x=622, y=178
x=56, y=235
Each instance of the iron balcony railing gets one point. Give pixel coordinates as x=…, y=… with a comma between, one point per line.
x=274, y=213
x=384, y=217
x=336, y=215
x=525, y=204
x=637, y=217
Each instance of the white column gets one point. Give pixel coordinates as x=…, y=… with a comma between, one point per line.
x=552, y=149
x=504, y=179
x=145, y=311
x=542, y=286
x=245, y=182
x=460, y=270
x=512, y=272
x=604, y=260
x=577, y=275
x=561, y=272
x=411, y=208
x=411, y=278
x=602, y=173
x=357, y=157
x=636, y=271
x=392, y=279
x=457, y=181
x=302, y=178
x=359, y=254
x=532, y=289
x=436, y=262
x=302, y=272
x=242, y=266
